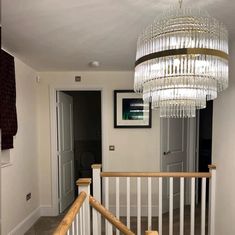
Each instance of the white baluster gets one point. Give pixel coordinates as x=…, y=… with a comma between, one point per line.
x=117, y=202
x=73, y=228
x=84, y=186
x=69, y=232
x=95, y=224
x=181, y=206
x=211, y=225
x=192, y=207
x=128, y=202
x=77, y=223
x=108, y=226
x=83, y=220
x=160, y=206
x=96, y=179
x=171, y=207
x=203, y=208
x=138, y=206
x=149, y=203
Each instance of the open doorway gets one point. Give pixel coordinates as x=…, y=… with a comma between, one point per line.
x=79, y=140
x=205, y=117
x=180, y=138
x=174, y=155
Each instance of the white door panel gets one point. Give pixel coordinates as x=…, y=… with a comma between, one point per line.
x=176, y=135
x=174, y=155
x=67, y=176
x=65, y=103
x=65, y=149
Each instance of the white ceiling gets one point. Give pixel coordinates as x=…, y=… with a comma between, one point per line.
x=68, y=34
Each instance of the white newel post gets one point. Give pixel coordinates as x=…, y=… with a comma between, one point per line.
x=84, y=186
x=211, y=227
x=96, y=179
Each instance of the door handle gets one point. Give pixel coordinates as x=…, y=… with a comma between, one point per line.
x=166, y=153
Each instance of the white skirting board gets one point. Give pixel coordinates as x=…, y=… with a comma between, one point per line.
x=25, y=224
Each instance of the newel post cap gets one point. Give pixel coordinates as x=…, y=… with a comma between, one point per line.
x=83, y=181
x=212, y=167
x=96, y=166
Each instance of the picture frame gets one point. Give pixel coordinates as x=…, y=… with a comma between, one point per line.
x=130, y=110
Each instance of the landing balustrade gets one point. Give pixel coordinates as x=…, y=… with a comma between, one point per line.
x=87, y=213
x=142, y=183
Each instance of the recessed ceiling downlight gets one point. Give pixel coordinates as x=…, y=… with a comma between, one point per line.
x=94, y=64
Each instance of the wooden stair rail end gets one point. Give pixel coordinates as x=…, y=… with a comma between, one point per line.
x=109, y=216
x=69, y=217
x=151, y=233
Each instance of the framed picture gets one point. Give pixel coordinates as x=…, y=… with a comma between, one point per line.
x=130, y=110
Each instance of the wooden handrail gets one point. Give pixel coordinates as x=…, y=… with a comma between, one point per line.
x=69, y=217
x=157, y=174
x=110, y=217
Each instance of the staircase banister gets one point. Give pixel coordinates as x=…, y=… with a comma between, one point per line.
x=109, y=216
x=69, y=217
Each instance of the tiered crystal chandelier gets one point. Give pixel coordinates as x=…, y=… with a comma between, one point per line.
x=182, y=61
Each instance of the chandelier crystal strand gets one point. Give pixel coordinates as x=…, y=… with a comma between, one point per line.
x=181, y=61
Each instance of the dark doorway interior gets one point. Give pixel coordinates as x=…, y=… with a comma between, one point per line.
x=87, y=132
x=205, y=140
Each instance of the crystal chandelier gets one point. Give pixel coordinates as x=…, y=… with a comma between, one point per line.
x=182, y=61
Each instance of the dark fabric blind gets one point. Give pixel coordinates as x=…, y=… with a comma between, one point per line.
x=8, y=116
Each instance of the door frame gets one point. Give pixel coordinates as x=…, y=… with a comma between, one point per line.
x=53, y=135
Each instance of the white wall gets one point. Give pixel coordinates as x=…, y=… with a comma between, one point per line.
x=135, y=149
x=224, y=154
x=22, y=176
